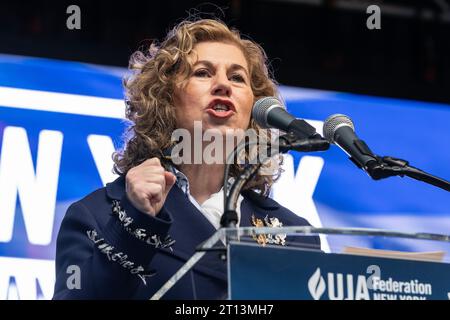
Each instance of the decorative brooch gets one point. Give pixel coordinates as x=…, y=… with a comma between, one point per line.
x=263, y=239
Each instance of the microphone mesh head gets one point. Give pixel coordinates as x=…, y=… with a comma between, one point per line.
x=334, y=122
x=261, y=109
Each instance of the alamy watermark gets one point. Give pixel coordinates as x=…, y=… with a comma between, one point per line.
x=213, y=146
x=74, y=279
x=73, y=22
x=374, y=20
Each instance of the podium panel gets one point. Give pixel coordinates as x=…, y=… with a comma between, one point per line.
x=277, y=272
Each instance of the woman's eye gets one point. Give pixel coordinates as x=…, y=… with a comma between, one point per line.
x=237, y=77
x=201, y=73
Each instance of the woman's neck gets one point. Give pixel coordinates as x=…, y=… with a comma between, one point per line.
x=204, y=180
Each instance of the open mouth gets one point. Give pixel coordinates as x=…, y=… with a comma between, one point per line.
x=220, y=107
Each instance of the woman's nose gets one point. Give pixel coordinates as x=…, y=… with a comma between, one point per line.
x=221, y=85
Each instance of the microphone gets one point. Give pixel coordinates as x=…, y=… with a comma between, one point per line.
x=269, y=112
x=339, y=130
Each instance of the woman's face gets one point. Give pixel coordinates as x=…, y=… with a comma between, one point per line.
x=218, y=91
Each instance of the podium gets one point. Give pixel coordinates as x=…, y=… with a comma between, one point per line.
x=297, y=272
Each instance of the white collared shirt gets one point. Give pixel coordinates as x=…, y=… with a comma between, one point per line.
x=212, y=208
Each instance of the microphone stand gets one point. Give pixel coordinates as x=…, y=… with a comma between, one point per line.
x=385, y=167
x=286, y=142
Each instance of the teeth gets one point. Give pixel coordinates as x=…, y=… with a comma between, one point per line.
x=220, y=107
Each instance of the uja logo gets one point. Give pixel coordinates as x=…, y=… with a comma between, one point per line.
x=337, y=289
x=316, y=285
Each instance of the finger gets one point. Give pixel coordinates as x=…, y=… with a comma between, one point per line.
x=155, y=178
x=155, y=192
x=147, y=206
x=152, y=162
x=170, y=180
x=151, y=170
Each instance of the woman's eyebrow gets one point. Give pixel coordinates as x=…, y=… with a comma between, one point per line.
x=235, y=66
x=207, y=63
x=232, y=67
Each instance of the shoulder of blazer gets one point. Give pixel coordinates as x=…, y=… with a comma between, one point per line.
x=116, y=189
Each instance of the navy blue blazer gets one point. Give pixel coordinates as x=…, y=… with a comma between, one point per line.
x=107, y=254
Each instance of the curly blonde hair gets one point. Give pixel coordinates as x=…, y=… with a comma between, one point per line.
x=149, y=92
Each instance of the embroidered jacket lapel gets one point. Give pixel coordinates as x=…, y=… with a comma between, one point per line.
x=189, y=228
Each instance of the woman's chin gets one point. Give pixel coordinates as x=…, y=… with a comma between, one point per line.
x=222, y=129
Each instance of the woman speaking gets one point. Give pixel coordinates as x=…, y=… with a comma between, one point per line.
x=130, y=237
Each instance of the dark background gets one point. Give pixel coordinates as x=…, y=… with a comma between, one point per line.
x=311, y=43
